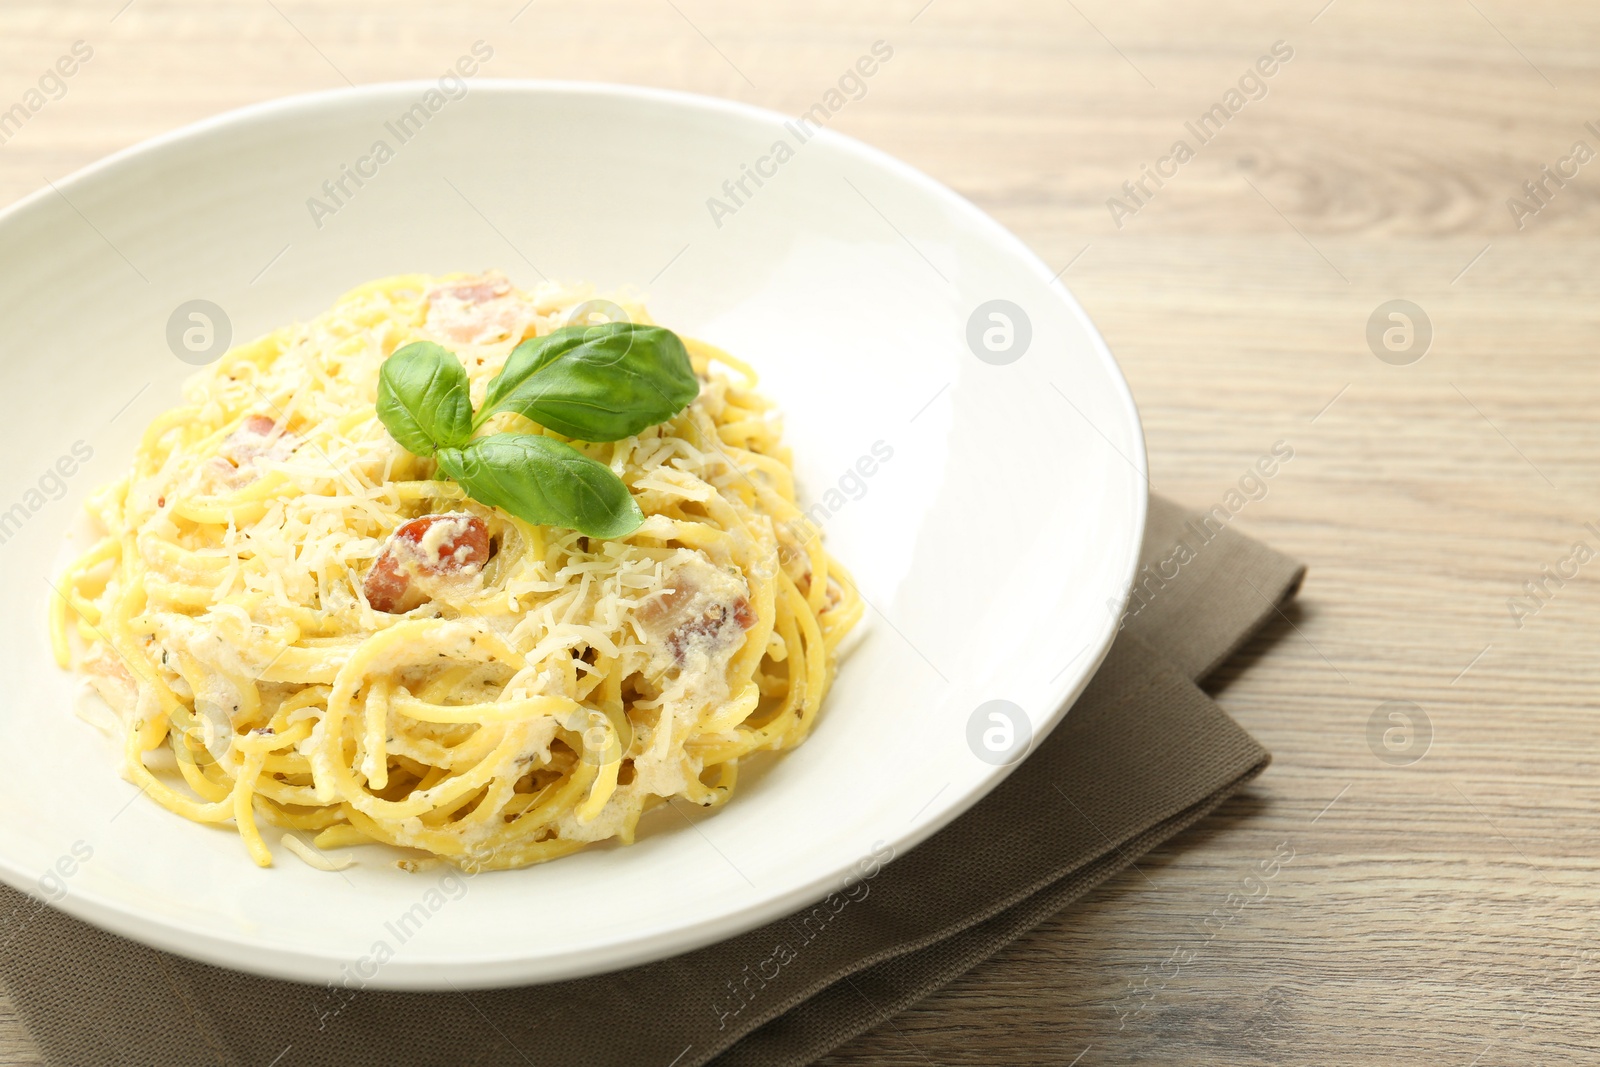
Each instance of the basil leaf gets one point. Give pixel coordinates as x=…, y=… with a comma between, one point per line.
x=450, y=464
x=595, y=383
x=527, y=358
x=541, y=480
x=423, y=398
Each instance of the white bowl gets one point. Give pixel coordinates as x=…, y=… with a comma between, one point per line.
x=995, y=546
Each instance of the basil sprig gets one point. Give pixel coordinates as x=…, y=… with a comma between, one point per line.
x=591, y=383
x=595, y=383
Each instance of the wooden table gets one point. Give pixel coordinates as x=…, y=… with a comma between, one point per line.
x=1440, y=911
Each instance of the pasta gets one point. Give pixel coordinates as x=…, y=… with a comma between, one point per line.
x=300, y=625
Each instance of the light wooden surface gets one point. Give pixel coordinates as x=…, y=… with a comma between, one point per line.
x=1443, y=912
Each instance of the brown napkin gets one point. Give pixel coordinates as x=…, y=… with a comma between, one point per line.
x=1143, y=754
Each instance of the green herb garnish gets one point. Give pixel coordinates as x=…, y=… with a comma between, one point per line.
x=595, y=383
x=590, y=383
x=423, y=398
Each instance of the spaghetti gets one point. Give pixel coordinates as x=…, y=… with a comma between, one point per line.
x=298, y=623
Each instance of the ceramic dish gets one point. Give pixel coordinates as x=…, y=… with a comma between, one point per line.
x=994, y=545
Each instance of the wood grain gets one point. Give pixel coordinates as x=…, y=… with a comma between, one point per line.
x=1440, y=912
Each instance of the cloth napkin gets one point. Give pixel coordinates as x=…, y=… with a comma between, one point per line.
x=1143, y=754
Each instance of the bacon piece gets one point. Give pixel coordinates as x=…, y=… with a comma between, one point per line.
x=106, y=672
x=710, y=627
x=705, y=612
x=477, y=310
x=254, y=440
x=426, y=557
x=236, y=462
